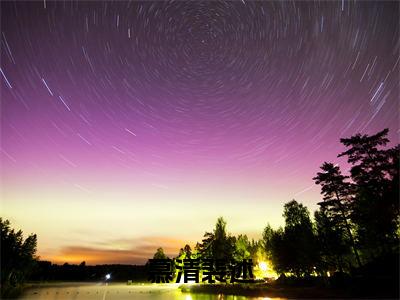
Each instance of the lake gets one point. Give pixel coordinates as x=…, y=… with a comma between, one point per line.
x=99, y=291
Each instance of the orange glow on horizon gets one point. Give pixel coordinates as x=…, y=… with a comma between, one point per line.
x=115, y=255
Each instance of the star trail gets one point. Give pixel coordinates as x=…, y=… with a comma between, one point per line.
x=123, y=120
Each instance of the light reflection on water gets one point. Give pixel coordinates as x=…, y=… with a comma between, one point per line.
x=92, y=291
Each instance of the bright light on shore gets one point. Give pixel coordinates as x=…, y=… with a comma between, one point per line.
x=264, y=270
x=263, y=266
x=108, y=276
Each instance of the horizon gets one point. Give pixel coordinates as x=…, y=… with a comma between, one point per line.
x=134, y=126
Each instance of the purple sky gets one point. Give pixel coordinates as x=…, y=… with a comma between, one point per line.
x=128, y=126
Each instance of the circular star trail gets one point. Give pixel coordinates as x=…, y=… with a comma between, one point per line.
x=191, y=98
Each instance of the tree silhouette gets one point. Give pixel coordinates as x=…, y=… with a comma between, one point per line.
x=185, y=252
x=218, y=244
x=160, y=254
x=279, y=250
x=375, y=172
x=267, y=238
x=337, y=196
x=294, y=248
x=333, y=244
x=17, y=257
x=300, y=239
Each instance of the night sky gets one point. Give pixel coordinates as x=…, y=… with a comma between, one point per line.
x=132, y=125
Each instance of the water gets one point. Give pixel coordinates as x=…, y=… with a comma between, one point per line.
x=93, y=291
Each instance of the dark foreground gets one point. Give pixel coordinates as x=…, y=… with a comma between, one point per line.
x=290, y=292
x=119, y=291
x=146, y=291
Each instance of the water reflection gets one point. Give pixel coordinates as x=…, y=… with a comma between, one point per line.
x=91, y=291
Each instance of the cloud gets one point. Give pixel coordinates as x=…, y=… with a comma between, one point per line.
x=122, y=251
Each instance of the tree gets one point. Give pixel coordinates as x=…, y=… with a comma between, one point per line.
x=292, y=249
x=218, y=244
x=268, y=235
x=336, y=202
x=243, y=248
x=280, y=251
x=375, y=172
x=299, y=239
x=160, y=254
x=332, y=241
x=205, y=247
x=17, y=257
x=185, y=252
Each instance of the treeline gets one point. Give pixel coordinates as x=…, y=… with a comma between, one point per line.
x=360, y=211
x=18, y=258
x=354, y=233
x=357, y=222
x=354, y=237
x=219, y=244
x=19, y=264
